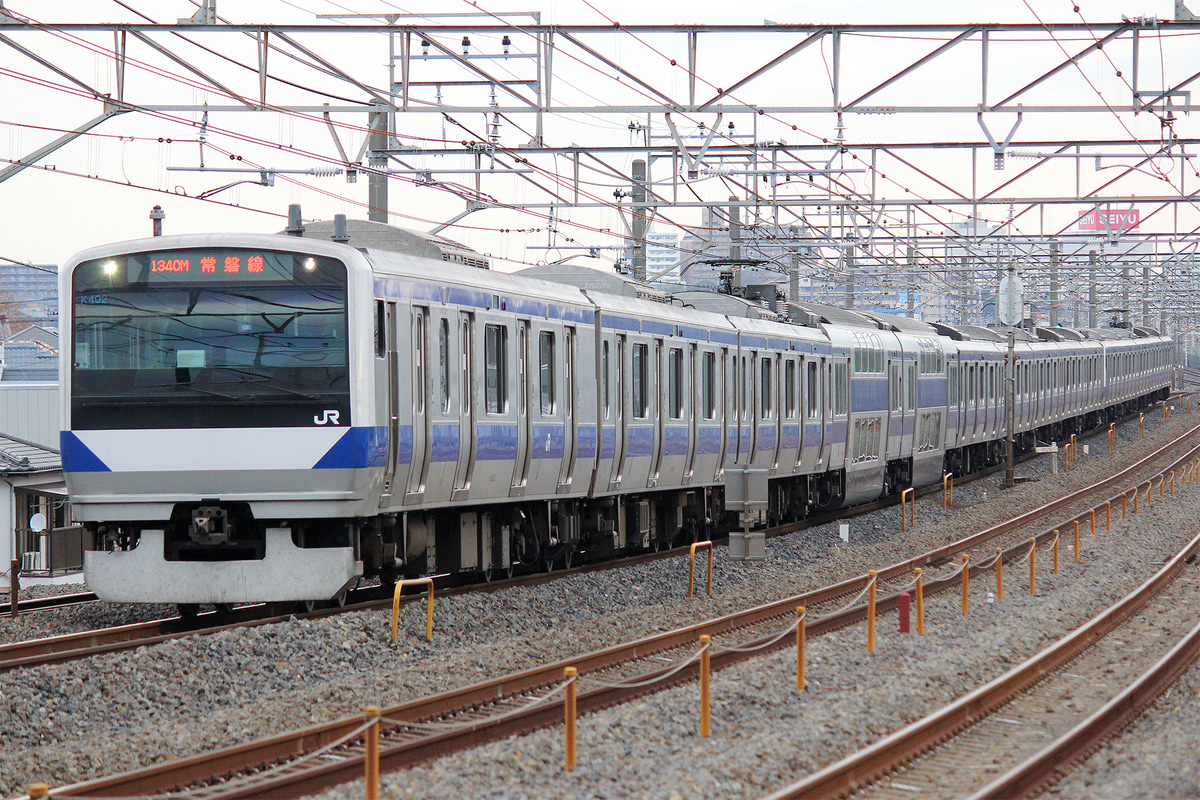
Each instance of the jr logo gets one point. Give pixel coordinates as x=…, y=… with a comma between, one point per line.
x=330, y=417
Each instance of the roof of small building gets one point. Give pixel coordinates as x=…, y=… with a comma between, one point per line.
x=21, y=456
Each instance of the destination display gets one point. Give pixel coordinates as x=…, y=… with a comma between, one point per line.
x=202, y=266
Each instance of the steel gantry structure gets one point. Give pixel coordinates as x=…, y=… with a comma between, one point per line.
x=842, y=153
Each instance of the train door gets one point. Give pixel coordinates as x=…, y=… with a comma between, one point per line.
x=522, y=377
x=389, y=371
x=726, y=404
x=660, y=394
x=780, y=408
x=570, y=424
x=420, y=397
x=467, y=427
x=692, y=409
x=909, y=424
x=621, y=415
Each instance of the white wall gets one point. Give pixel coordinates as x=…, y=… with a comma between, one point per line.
x=30, y=411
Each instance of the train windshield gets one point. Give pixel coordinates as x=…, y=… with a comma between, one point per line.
x=162, y=342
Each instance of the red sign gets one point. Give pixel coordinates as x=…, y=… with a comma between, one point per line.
x=1110, y=220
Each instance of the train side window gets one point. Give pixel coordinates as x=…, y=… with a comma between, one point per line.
x=639, y=379
x=894, y=387
x=467, y=385
x=495, y=368
x=444, y=364
x=546, y=371
x=952, y=384
x=765, y=387
x=675, y=381
x=604, y=390
x=841, y=405
x=380, y=330
x=912, y=387
x=789, y=388
x=812, y=386
x=708, y=389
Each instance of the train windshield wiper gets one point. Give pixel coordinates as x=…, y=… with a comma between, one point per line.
x=256, y=379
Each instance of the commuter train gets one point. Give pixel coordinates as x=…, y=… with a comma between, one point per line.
x=254, y=417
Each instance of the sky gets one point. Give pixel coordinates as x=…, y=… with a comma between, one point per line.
x=102, y=187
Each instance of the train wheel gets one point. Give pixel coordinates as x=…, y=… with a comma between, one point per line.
x=310, y=605
x=189, y=610
x=339, y=599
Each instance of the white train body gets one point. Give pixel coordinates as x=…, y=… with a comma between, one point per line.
x=274, y=435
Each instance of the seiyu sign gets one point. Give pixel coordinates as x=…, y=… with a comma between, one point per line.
x=1110, y=220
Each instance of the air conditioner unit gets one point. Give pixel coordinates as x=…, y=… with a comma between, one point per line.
x=31, y=562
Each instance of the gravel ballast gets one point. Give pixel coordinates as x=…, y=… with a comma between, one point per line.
x=73, y=721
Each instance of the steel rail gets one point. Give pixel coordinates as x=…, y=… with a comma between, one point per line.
x=48, y=602
x=287, y=780
x=901, y=746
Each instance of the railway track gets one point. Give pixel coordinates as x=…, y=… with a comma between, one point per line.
x=1017, y=734
x=316, y=757
x=49, y=602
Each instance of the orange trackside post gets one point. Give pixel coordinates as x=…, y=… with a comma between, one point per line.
x=1124, y=498
x=802, y=615
x=1172, y=481
x=1076, y=529
x=907, y=497
x=692, y=565
x=1136, y=491
x=1076, y=542
x=1141, y=426
x=1092, y=520
x=38, y=791
x=428, y=584
x=372, y=755
x=966, y=578
x=999, y=573
x=1166, y=411
x=871, y=611
x=920, y=602
x=1112, y=436
x=1056, y=549
x=1162, y=479
x=569, y=714
x=1033, y=566
x=1108, y=515
x=705, y=648
x=947, y=490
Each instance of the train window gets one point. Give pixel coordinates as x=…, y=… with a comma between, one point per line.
x=765, y=387
x=495, y=368
x=747, y=400
x=789, y=389
x=675, y=381
x=841, y=405
x=641, y=370
x=467, y=384
x=419, y=386
x=604, y=391
x=812, y=384
x=546, y=370
x=708, y=388
x=894, y=388
x=380, y=330
x=952, y=385
x=912, y=387
x=444, y=364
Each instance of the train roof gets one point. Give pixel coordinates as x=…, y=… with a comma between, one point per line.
x=365, y=235
x=594, y=280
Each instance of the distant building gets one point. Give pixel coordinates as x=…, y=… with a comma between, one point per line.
x=30, y=356
x=29, y=293
x=662, y=255
x=35, y=518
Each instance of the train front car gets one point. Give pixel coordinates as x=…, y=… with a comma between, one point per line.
x=218, y=433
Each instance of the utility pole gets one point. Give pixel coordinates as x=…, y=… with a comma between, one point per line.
x=1093, y=294
x=794, y=265
x=850, y=276
x=1010, y=380
x=912, y=282
x=377, y=159
x=639, y=219
x=1054, y=284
